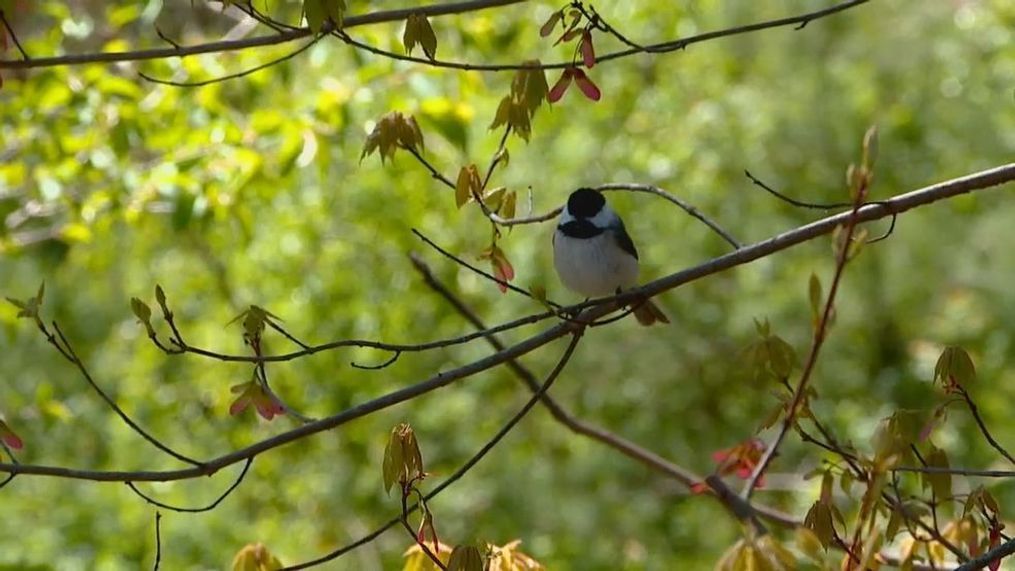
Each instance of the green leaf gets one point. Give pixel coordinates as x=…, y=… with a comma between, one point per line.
x=427, y=38
x=314, y=12
x=814, y=293
x=507, y=206
x=494, y=198
x=466, y=558
x=954, y=366
x=870, y=147
x=547, y=28
x=467, y=185
x=939, y=483
x=503, y=113
x=819, y=521
x=809, y=543
x=141, y=310
x=335, y=10
x=393, y=460
x=894, y=522
x=410, y=37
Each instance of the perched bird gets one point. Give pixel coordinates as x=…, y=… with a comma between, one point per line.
x=593, y=254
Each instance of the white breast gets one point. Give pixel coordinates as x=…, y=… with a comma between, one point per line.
x=593, y=267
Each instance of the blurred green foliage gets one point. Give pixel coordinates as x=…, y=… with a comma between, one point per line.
x=252, y=192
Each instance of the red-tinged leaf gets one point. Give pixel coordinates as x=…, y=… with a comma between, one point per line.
x=503, y=271
x=239, y=405
x=269, y=409
x=549, y=25
x=995, y=540
x=558, y=89
x=585, y=84
x=568, y=36
x=9, y=437
x=12, y=440
x=588, y=50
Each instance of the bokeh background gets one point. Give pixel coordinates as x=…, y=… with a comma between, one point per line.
x=253, y=192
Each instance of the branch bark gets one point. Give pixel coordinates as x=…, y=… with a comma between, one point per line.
x=594, y=309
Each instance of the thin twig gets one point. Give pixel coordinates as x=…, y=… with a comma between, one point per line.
x=975, y=411
x=688, y=208
x=658, y=48
x=436, y=174
x=576, y=425
x=158, y=540
x=539, y=393
x=209, y=507
x=236, y=75
x=408, y=529
x=74, y=359
x=818, y=205
x=394, y=357
x=820, y=333
x=474, y=269
x=14, y=37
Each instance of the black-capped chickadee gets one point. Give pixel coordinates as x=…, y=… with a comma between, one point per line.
x=593, y=254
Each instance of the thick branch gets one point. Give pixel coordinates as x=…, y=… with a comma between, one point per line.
x=258, y=41
x=982, y=180
x=396, y=15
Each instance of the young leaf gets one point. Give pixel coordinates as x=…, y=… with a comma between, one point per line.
x=8, y=437
x=507, y=207
x=335, y=10
x=954, y=367
x=466, y=558
x=503, y=113
x=814, y=293
x=547, y=28
x=495, y=198
x=870, y=146
x=819, y=521
x=467, y=185
x=427, y=38
x=313, y=11
x=939, y=483
x=809, y=543
x=255, y=557
x=143, y=314
x=410, y=37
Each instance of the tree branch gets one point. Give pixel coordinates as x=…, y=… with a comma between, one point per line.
x=981, y=180
x=401, y=14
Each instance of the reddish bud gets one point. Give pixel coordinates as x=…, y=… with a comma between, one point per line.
x=699, y=488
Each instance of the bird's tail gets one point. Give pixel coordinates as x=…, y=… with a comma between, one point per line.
x=648, y=313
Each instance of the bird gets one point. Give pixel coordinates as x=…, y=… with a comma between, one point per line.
x=593, y=254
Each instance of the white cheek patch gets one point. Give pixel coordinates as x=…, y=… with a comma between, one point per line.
x=565, y=217
x=605, y=218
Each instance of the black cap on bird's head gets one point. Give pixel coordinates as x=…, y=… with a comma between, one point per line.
x=585, y=203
